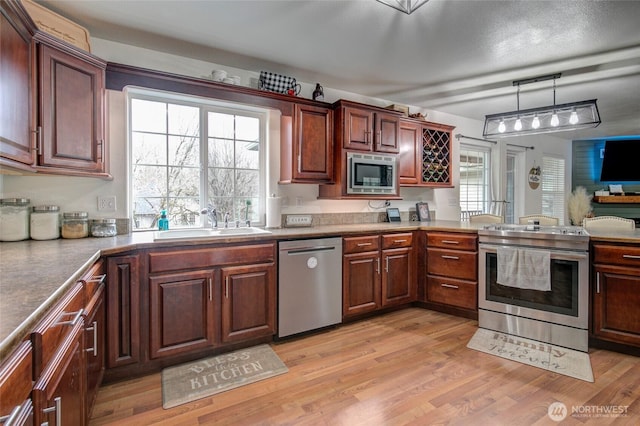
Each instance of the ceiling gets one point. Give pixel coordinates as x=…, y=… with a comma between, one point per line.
x=454, y=56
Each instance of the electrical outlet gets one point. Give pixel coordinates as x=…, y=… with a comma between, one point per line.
x=107, y=203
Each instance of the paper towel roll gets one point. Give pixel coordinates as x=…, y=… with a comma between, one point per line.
x=274, y=205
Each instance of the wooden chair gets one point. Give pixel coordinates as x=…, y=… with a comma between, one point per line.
x=543, y=219
x=486, y=218
x=608, y=222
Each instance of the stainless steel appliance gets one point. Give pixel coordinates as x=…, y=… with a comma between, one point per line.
x=371, y=174
x=309, y=285
x=559, y=316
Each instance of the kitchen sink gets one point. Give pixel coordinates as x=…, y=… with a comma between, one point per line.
x=204, y=233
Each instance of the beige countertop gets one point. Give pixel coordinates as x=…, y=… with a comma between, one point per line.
x=34, y=275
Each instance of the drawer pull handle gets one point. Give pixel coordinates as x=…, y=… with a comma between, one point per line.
x=210, y=288
x=363, y=244
x=94, y=328
x=11, y=417
x=75, y=319
x=450, y=242
x=598, y=283
x=226, y=287
x=630, y=256
x=378, y=267
x=98, y=279
x=399, y=241
x=444, y=256
x=57, y=408
x=450, y=286
x=386, y=266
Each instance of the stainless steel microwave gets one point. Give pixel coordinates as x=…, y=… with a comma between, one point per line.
x=371, y=174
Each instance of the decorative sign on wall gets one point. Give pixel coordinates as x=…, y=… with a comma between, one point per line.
x=535, y=174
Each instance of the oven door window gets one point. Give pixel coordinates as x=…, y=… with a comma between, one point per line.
x=562, y=299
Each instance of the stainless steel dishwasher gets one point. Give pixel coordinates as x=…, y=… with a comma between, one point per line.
x=309, y=285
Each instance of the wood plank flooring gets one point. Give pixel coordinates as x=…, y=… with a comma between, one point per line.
x=409, y=367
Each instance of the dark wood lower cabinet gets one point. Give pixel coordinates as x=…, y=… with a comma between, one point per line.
x=181, y=311
x=361, y=283
x=397, y=277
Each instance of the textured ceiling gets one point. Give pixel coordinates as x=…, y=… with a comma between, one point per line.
x=454, y=56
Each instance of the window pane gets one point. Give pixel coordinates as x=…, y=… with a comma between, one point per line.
x=247, y=128
x=221, y=125
x=184, y=182
x=553, y=197
x=247, y=155
x=184, y=212
x=474, y=182
x=148, y=116
x=220, y=153
x=184, y=151
x=147, y=148
x=146, y=212
x=149, y=181
x=247, y=183
x=220, y=183
x=184, y=120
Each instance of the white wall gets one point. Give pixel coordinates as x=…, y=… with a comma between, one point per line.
x=73, y=193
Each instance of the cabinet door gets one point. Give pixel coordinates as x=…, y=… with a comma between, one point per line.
x=398, y=284
x=59, y=394
x=409, y=139
x=71, y=112
x=313, y=144
x=94, y=346
x=181, y=313
x=387, y=129
x=123, y=311
x=248, y=302
x=360, y=283
x=17, y=114
x=616, y=316
x=358, y=129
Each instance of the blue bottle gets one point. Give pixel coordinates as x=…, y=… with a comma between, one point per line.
x=163, y=222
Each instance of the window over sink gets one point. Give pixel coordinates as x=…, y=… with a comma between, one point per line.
x=187, y=152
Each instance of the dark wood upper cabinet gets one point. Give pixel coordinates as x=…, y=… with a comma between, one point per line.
x=306, y=145
x=366, y=128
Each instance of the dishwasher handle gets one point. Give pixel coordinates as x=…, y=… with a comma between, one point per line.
x=305, y=250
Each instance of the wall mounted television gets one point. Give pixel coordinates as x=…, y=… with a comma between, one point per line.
x=621, y=162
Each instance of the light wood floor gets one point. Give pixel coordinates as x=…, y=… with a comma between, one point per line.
x=406, y=367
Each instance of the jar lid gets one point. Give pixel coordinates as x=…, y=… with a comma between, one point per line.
x=45, y=209
x=103, y=221
x=75, y=215
x=15, y=201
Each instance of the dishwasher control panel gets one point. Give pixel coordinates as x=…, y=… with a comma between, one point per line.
x=298, y=220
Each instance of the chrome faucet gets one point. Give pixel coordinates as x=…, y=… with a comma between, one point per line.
x=212, y=214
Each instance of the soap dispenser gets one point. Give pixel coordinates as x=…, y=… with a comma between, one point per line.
x=163, y=222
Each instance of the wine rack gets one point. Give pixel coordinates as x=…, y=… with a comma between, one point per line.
x=436, y=156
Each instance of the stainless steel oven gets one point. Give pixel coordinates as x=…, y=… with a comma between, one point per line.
x=558, y=315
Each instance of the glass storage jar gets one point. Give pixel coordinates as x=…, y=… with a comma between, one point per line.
x=45, y=223
x=75, y=225
x=14, y=219
x=103, y=228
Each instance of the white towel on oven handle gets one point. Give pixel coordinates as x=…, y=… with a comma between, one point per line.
x=524, y=268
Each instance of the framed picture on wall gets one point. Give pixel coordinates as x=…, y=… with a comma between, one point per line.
x=422, y=209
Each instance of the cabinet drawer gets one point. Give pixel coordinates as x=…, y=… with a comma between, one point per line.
x=616, y=255
x=452, y=240
x=360, y=244
x=56, y=326
x=94, y=278
x=453, y=292
x=452, y=263
x=177, y=260
x=397, y=240
x=15, y=379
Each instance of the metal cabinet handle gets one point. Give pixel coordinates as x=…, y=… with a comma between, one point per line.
x=386, y=266
x=399, y=241
x=450, y=242
x=57, y=408
x=38, y=142
x=97, y=279
x=94, y=328
x=363, y=244
x=378, y=267
x=450, y=286
x=367, y=136
x=210, y=288
x=226, y=287
x=597, y=282
x=11, y=417
x=72, y=322
x=630, y=256
x=444, y=256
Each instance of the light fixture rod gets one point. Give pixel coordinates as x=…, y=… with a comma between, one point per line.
x=459, y=135
x=537, y=79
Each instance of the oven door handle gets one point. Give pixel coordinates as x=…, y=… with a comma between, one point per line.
x=555, y=254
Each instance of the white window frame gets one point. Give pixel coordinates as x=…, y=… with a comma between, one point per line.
x=553, y=186
x=486, y=184
x=206, y=105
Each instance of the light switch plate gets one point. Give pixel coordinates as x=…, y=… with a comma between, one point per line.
x=298, y=220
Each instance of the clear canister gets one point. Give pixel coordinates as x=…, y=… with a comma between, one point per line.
x=14, y=219
x=75, y=225
x=103, y=228
x=45, y=223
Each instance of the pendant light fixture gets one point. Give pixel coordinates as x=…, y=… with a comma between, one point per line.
x=406, y=6
x=553, y=118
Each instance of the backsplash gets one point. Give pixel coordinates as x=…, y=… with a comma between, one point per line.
x=320, y=219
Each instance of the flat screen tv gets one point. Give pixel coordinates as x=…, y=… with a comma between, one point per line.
x=621, y=161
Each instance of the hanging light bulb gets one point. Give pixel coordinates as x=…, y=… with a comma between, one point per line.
x=518, y=125
x=554, y=120
x=502, y=127
x=573, y=119
x=536, y=122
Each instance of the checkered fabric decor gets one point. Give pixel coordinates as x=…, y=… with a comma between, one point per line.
x=277, y=83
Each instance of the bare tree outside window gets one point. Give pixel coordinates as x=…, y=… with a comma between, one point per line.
x=176, y=148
